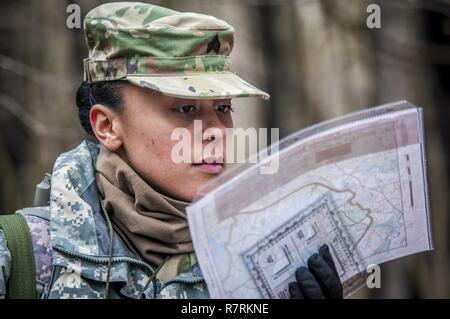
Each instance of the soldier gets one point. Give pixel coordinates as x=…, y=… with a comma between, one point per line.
x=116, y=226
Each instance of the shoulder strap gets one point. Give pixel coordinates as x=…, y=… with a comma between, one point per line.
x=22, y=282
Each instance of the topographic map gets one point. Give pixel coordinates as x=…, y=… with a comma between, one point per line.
x=357, y=183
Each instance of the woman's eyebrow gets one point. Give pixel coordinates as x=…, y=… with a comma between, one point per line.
x=179, y=102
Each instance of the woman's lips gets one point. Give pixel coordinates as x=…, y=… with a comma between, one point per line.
x=211, y=168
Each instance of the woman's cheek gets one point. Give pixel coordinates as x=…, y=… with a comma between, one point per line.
x=160, y=149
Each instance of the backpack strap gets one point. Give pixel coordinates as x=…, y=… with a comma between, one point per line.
x=22, y=282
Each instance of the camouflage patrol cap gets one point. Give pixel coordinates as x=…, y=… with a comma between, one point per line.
x=181, y=54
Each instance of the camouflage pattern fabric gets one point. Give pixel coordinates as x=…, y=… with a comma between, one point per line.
x=78, y=244
x=40, y=239
x=5, y=264
x=38, y=222
x=181, y=54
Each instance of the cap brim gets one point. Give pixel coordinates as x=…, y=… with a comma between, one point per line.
x=201, y=85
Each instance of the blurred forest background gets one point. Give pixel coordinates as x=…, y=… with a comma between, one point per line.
x=317, y=59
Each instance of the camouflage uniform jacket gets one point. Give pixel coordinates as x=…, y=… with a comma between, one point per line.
x=71, y=244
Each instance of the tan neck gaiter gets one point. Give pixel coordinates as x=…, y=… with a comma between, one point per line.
x=151, y=224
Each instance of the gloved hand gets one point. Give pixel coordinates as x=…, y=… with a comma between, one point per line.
x=320, y=280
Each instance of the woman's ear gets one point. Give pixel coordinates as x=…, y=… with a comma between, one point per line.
x=106, y=126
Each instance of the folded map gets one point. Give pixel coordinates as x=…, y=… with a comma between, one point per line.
x=357, y=183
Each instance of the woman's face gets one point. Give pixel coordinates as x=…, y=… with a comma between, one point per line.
x=147, y=121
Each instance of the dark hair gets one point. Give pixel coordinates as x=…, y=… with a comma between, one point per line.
x=107, y=93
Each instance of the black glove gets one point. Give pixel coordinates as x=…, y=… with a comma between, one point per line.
x=320, y=280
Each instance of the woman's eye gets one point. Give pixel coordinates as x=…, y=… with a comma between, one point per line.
x=223, y=108
x=185, y=109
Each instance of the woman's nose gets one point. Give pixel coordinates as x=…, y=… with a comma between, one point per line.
x=213, y=121
x=212, y=127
